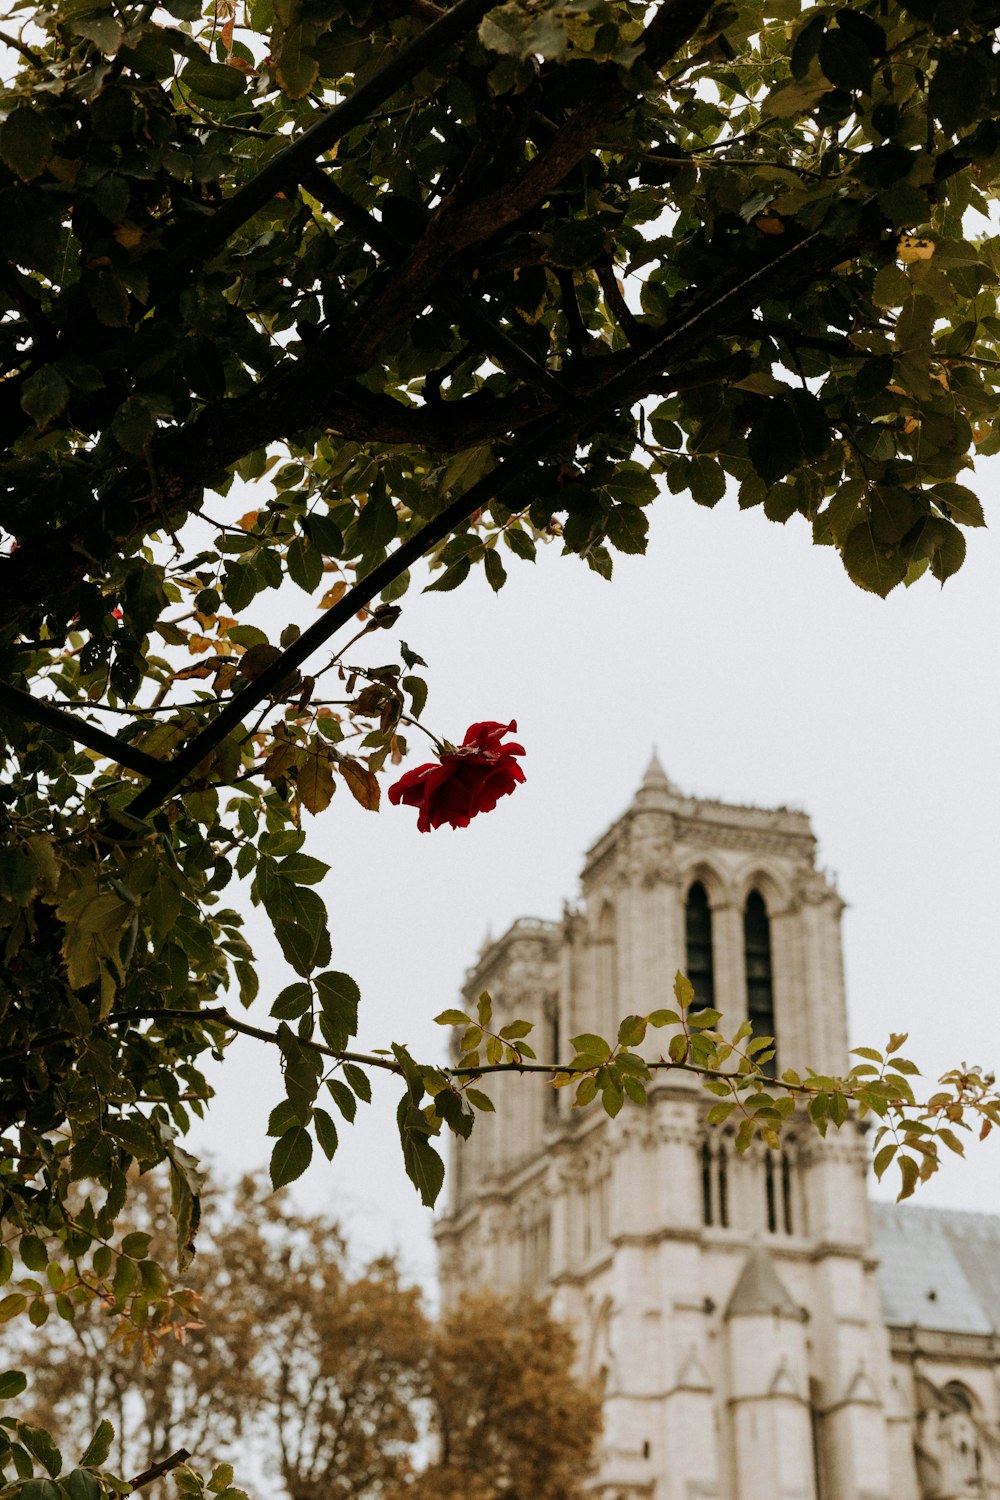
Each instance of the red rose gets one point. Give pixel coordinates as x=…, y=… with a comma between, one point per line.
x=465, y=781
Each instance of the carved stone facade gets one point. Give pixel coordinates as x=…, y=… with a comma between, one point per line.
x=729, y=1306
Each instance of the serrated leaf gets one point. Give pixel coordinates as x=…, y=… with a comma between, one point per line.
x=586, y=1092
x=44, y=395
x=660, y=1018
x=343, y=1097
x=632, y=1030
x=359, y=1081
x=339, y=998
x=589, y=1043
x=453, y=1018
x=314, y=778
x=683, y=990
x=99, y=1446
x=26, y=142
x=326, y=1131
x=480, y=1100
x=291, y=1156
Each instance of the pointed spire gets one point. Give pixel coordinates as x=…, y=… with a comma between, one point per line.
x=760, y=1290
x=656, y=786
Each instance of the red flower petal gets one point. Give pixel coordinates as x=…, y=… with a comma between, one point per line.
x=464, y=783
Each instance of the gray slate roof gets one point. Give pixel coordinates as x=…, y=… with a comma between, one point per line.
x=939, y=1269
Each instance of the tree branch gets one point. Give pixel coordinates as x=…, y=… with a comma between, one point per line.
x=285, y=170
x=38, y=711
x=157, y=1470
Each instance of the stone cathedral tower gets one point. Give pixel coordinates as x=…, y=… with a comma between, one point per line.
x=728, y=1305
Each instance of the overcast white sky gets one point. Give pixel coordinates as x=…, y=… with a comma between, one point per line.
x=762, y=674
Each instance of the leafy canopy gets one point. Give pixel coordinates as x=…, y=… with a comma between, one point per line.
x=318, y=291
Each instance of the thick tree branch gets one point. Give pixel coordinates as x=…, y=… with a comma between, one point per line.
x=37, y=711
x=457, y=225
x=285, y=170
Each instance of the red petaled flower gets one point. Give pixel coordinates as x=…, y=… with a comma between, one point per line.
x=467, y=780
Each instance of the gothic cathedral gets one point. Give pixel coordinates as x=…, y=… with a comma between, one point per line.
x=759, y=1330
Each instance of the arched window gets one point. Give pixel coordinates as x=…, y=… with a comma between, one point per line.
x=607, y=962
x=698, y=936
x=757, y=953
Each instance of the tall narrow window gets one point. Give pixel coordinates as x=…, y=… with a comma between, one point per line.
x=706, y=1183
x=723, y=1187
x=757, y=951
x=698, y=935
x=772, y=1207
x=786, y=1192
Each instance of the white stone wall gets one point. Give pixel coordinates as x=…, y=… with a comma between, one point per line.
x=701, y=1401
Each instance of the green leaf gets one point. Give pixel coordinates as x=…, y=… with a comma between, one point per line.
x=44, y=395
x=213, y=80
x=134, y=425
x=451, y=577
x=81, y=1484
x=846, y=60
x=359, y=1081
x=33, y=1252
x=12, y=1383
x=588, y=1042
x=99, y=1446
x=632, y=484
x=305, y=565
x=136, y=1245
x=627, y=529
x=453, y=1018
x=586, y=1092
x=326, y=1131
x=26, y=142
x=339, y=998
x=41, y=1445
x=297, y=66
x=963, y=506
x=480, y=1100
x=424, y=1166
x=632, y=1030
x=873, y=565
x=496, y=573
x=683, y=990
x=12, y=1306
x=293, y=1001
x=343, y=1097
x=291, y=1155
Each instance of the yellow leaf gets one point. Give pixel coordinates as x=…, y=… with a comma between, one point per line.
x=315, y=781
x=128, y=235
x=363, y=784
x=333, y=595
x=284, y=755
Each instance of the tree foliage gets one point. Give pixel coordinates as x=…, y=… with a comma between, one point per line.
x=333, y=1381
x=307, y=294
